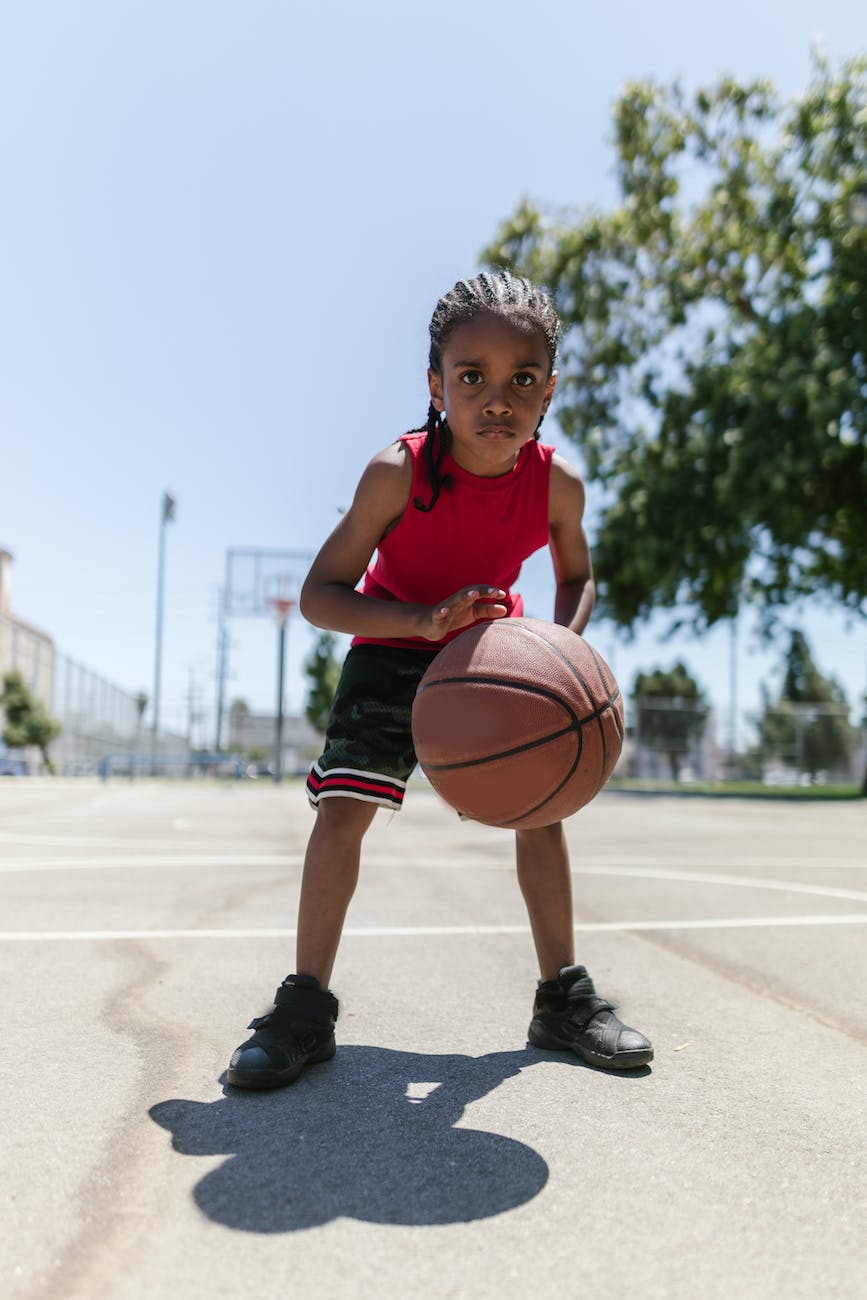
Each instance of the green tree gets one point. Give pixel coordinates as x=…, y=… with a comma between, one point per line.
x=322, y=669
x=27, y=721
x=807, y=727
x=671, y=712
x=714, y=369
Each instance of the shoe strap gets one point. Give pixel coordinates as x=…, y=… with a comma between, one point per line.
x=583, y=1007
x=281, y=1043
x=611, y=1031
x=307, y=1003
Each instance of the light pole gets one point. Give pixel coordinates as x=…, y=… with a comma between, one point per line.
x=167, y=514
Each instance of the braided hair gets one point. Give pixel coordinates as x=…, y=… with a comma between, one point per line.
x=498, y=293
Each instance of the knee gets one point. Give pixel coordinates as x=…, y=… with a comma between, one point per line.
x=541, y=836
x=345, y=819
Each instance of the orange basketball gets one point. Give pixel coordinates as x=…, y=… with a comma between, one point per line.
x=518, y=723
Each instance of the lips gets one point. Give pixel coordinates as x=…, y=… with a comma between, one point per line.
x=495, y=431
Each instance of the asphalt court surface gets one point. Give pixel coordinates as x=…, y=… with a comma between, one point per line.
x=142, y=925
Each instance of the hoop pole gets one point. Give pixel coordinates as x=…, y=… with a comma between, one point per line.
x=278, y=728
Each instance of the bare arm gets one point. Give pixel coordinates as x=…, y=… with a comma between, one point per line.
x=329, y=598
x=573, y=569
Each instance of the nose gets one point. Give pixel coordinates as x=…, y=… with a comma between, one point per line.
x=497, y=401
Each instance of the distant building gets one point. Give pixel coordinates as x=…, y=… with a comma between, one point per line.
x=255, y=732
x=24, y=648
x=97, y=717
x=27, y=650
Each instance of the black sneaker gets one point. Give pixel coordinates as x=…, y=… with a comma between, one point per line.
x=569, y=1016
x=298, y=1032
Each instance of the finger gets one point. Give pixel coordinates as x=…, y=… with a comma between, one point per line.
x=461, y=601
x=473, y=593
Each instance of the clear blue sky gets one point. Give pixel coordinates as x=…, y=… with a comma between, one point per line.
x=223, y=230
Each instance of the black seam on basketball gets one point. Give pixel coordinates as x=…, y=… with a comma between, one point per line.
x=596, y=713
x=526, y=687
x=602, y=735
x=612, y=699
x=471, y=680
x=602, y=765
x=505, y=753
x=617, y=722
x=529, y=812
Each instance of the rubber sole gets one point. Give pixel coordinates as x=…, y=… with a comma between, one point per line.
x=262, y=1079
x=541, y=1037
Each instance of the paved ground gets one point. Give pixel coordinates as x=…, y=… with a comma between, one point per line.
x=438, y=1155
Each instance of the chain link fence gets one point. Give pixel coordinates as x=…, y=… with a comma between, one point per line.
x=666, y=739
x=786, y=745
x=808, y=743
x=102, y=727
x=101, y=724
x=670, y=740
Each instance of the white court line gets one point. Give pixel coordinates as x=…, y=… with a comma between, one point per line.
x=621, y=864
x=177, y=854
x=81, y=841
x=720, y=878
x=438, y=931
x=643, y=872
x=152, y=860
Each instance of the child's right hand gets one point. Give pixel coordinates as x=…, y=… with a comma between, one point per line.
x=463, y=608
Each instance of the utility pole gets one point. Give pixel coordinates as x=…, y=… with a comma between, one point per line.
x=167, y=514
x=222, y=668
x=192, y=711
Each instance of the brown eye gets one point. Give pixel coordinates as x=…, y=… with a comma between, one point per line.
x=523, y=380
x=471, y=377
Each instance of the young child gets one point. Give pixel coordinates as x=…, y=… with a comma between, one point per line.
x=439, y=527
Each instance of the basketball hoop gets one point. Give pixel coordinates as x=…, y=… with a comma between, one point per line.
x=281, y=607
x=253, y=575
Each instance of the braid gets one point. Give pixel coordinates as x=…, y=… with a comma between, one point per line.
x=436, y=445
x=500, y=294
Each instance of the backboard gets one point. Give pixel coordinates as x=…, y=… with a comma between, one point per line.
x=255, y=577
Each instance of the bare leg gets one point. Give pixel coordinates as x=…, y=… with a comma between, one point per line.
x=546, y=884
x=567, y=1016
x=328, y=883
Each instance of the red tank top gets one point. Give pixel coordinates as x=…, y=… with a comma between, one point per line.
x=480, y=531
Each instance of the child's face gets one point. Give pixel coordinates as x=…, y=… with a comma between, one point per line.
x=494, y=389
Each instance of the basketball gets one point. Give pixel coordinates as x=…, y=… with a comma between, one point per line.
x=518, y=723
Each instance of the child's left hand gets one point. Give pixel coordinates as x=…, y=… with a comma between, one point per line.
x=463, y=608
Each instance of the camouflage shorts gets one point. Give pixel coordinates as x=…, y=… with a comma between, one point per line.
x=369, y=753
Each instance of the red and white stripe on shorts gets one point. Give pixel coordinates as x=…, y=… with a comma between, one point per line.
x=350, y=783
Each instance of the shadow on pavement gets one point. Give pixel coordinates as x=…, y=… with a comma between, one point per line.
x=370, y=1136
